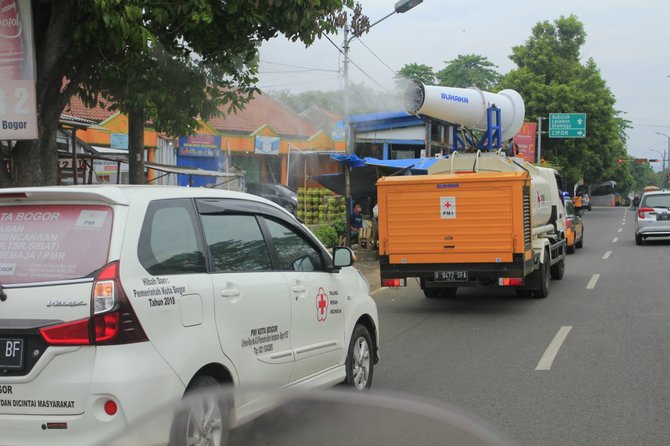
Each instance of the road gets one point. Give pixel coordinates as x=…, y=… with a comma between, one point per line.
x=589, y=365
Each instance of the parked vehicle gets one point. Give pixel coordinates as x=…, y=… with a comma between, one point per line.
x=118, y=299
x=475, y=220
x=574, y=227
x=276, y=193
x=653, y=216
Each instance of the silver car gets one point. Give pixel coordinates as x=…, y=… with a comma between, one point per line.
x=653, y=216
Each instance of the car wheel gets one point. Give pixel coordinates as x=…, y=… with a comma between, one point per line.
x=558, y=269
x=359, y=364
x=638, y=239
x=204, y=419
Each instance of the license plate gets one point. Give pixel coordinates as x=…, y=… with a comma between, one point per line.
x=11, y=354
x=451, y=276
x=662, y=217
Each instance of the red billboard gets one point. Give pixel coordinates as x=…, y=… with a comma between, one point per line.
x=525, y=141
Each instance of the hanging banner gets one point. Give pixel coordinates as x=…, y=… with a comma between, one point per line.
x=200, y=145
x=18, y=116
x=118, y=141
x=267, y=145
x=525, y=141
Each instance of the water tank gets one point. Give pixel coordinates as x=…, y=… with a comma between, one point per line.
x=465, y=106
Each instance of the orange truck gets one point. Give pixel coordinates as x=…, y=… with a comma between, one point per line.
x=474, y=220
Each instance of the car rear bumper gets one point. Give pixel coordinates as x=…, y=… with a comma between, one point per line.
x=134, y=376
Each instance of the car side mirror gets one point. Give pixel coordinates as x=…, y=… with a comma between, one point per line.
x=342, y=257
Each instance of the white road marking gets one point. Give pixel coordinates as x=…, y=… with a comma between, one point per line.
x=620, y=229
x=592, y=283
x=550, y=354
x=607, y=255
x=615, y=239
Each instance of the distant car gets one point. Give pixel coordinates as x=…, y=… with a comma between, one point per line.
x=653, y=216
x=276, y=193
x=574, y=227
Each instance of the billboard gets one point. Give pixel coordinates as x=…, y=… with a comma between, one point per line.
x=525, y=141
x=266, y=145
x=18, y=116
x=200, y=145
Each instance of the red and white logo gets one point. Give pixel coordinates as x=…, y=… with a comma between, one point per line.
x=321, y=305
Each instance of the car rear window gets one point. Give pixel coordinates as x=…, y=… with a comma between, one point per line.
x=656, y=201
x=52, y=242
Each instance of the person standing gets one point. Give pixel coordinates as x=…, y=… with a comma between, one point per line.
x=356, y=221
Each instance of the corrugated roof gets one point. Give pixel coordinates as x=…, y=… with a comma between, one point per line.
x=264, y=110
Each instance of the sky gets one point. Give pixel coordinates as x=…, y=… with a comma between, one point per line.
x=628, y=40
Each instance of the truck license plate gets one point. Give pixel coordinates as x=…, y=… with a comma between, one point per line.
x=451, y=276
x=11, y=353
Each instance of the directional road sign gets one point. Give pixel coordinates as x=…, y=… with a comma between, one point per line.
x=567, y=125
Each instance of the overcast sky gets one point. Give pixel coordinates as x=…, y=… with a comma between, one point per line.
x=628, y=40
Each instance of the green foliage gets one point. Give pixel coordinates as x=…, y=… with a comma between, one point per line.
x=167, y=61
x=340, y=225
x=470, y=70
x=413, y=71
x=551, y=79
x=327, y=235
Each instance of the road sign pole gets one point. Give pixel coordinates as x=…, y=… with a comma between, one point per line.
x=539, y=139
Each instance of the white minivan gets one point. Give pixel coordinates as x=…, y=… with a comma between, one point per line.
x=115, y=300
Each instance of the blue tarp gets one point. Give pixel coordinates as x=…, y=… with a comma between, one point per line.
x=417, y=166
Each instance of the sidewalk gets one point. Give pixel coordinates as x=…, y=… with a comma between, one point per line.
x=367, y=262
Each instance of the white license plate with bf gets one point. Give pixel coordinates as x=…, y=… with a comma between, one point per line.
x=11, y=354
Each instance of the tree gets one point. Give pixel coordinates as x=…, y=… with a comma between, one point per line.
x=551, y=79
x=469, y=70
x=417, y=72
x=76, y=41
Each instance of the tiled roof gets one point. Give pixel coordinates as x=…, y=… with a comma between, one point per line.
x=77, y=109
x=262, y=110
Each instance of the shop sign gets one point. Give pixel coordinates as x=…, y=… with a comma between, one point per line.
x=200, y=145
x=267, y=145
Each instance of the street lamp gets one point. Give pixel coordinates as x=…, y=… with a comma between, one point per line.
x=665, y=152
x=401, y=6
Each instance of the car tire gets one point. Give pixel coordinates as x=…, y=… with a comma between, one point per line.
x=360, y=363
x=543, y=290
x=558, y=270
x=203, y=420
x=638, y=239
x=431, y=293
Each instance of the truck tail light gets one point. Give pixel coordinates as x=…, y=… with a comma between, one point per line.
x=510, y=281
x=113, y=320
x=395, y=283
x=642, y=211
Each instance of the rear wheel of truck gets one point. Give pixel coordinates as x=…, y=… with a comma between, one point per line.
x=558, y=269
x=543, y=290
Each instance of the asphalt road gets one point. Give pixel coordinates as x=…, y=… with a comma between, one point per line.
x=588, y=365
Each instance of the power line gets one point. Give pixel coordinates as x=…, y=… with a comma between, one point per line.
x=298, y=67
x=372, y=52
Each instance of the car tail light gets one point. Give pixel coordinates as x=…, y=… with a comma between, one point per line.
x=113, y=320
x=641, y=212
x=568, y=223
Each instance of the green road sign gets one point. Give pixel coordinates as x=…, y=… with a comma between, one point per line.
x=567, y=125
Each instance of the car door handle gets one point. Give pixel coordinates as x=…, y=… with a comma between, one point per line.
x=230, y=293
x=299, y=288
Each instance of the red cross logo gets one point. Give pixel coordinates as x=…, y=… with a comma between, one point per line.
x=447, y=204
x=321, y=305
